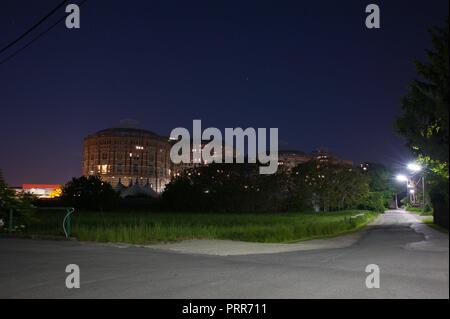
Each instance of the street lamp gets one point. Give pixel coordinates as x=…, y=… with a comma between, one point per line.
x=414, y=167
x=402, y=178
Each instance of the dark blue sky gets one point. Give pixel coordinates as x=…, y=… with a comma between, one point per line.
x=310, y=68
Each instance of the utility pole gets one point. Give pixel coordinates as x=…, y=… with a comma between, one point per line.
x=396, y=201
x=423, y=193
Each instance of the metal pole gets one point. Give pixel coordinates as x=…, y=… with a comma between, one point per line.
x=10, y=220
x=69, y=226
x=68, y=223
x=408, y=195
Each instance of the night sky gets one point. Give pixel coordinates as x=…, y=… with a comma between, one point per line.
x=310, y=68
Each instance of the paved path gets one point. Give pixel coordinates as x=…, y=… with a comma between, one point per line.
x=413, y=260
x=236, y=248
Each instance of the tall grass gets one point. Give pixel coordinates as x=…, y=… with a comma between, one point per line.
x=147, y=228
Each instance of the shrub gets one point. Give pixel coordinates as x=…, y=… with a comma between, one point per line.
x=20, y=205
x=90, y=193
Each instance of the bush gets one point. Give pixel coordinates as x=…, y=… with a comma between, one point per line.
x=374, y=201
x=20, y=205
x=439, y=195
x=225, y=188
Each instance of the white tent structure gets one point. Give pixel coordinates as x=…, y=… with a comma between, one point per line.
x=137, y=190
x=120, y=187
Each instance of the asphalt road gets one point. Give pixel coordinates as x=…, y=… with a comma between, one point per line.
x=412, y=265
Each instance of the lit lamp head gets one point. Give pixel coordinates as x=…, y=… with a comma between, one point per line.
x=402, y=178
x=413, y=167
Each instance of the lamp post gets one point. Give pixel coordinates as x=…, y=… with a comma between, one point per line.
x=412, y=193
x=403, y=179
x=416, y=168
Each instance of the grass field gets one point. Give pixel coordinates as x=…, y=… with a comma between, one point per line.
x=147, y=228
x=418, y=210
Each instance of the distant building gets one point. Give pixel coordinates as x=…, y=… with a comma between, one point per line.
x=365, y=167
x=126, y=157
x=323, y=155
x=290, y=159
x=196, y=151
x=129, y=155
x=41, y=190
x=137, y=162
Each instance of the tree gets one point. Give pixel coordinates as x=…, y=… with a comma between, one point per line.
x=327, y=186
x=19, y=203
x=225, y=188
x=424, y=122
x=90, y=193
x=381, y=183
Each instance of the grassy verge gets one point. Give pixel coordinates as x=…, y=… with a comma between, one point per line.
x=146, y=228
x=429, y=221
x=419, y=211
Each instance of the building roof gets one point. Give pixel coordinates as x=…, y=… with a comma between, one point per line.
x=125, y=132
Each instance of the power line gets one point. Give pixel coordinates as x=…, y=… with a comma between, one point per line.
x=37, y=37
x=33, y=27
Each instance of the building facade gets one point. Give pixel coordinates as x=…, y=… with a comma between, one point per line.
x=128, y=156
x=289, y=159
x=196, y=152
x=41, y=190
x=323, y=155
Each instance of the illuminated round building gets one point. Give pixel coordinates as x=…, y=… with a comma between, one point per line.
x=128, y=155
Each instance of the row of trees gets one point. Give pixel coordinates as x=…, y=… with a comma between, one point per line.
x=312, y=186
x=424, y=120
x=224, y=187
